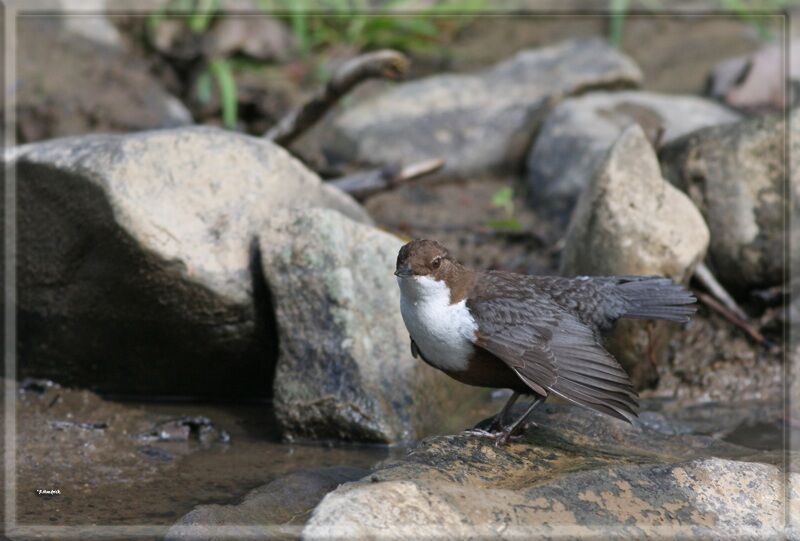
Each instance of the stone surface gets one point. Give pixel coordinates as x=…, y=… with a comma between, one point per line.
x=476, y=122
x=134, y=273
x=345, y=368
x=577, y=474
x=88, y=18
x=758, y=82
x=576, y=136
x=735, y=174
x=68, y=84
x=275, y=511
x=629, y=220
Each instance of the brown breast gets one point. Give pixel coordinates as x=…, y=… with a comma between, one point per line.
x=486, y=370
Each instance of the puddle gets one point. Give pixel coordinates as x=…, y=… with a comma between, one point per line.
x=176, y=475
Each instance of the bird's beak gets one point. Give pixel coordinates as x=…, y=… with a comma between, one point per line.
x=403, y=271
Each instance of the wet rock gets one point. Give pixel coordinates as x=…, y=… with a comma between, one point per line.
x=66, y=425
x=758, y=82
x=196, y=427
x=576, y=136
x=345, y=368
x=35, y=385
x=480, y=121
x=142, y=243
x=68, y=84
x=577, y=474
x=735, y=175
x=629, y=220
x=275, y=511
x=155, y=453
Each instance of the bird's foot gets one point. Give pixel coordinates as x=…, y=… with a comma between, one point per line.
x=481, y=433
x=500, y=437
x=513, y=433
x=503, y=435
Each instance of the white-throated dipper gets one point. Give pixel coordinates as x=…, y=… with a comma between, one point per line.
x=535, y=335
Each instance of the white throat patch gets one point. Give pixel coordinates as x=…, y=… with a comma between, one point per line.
x=442, y=331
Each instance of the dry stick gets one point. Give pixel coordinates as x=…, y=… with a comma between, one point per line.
x=704, y=275
x=728, y=314
x=386, y=64
x=362, y=185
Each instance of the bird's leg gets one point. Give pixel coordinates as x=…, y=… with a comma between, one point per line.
x=499, y=420
x=520, y=422
x=495, y=428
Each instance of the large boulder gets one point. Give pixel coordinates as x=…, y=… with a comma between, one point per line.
x=69, y=83
x=578, y=474
x=134, y=270
x=575, y=137
x=736, y=174
x=476, y=122
x=345, y=369
x=629, y=220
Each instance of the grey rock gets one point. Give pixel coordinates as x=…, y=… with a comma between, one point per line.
x=576, y=136
x=476, y=122
x=345, y=368
x=735, y=174
x=276, y=510
x=68, y=85
x=629, y=220
x=91, y=21
x=134, y=273
x=758, y=82
x=262, y=38
x=576, y=475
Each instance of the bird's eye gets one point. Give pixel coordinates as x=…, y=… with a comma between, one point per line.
x=436, y=262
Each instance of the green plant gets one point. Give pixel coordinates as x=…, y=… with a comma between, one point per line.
x=222, y=72
x=504, y=199
x=354, y=23
x=618, y=10
x=315, y=24
x=198, y=16
x=758, y=13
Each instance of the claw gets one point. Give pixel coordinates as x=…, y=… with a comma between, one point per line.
x=500, y=437
x=503, y=436
x=481, y=433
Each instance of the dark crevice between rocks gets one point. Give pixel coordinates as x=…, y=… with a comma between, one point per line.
x=266, y=322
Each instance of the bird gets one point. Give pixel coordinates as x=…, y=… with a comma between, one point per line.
x=535, y=335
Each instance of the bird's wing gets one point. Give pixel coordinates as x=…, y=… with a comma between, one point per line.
x=551, y=350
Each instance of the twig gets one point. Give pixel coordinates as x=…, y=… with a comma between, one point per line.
x=386, y=64
x=728, y=314
x=362, y=185
x=704, y=275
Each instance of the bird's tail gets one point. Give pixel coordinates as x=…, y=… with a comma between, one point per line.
x=654, y=297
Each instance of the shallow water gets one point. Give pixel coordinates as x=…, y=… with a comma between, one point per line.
x=193, y=473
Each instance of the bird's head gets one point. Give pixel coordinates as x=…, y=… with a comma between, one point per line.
x=423, y=257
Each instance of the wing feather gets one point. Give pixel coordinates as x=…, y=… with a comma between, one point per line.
x=551, y=350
